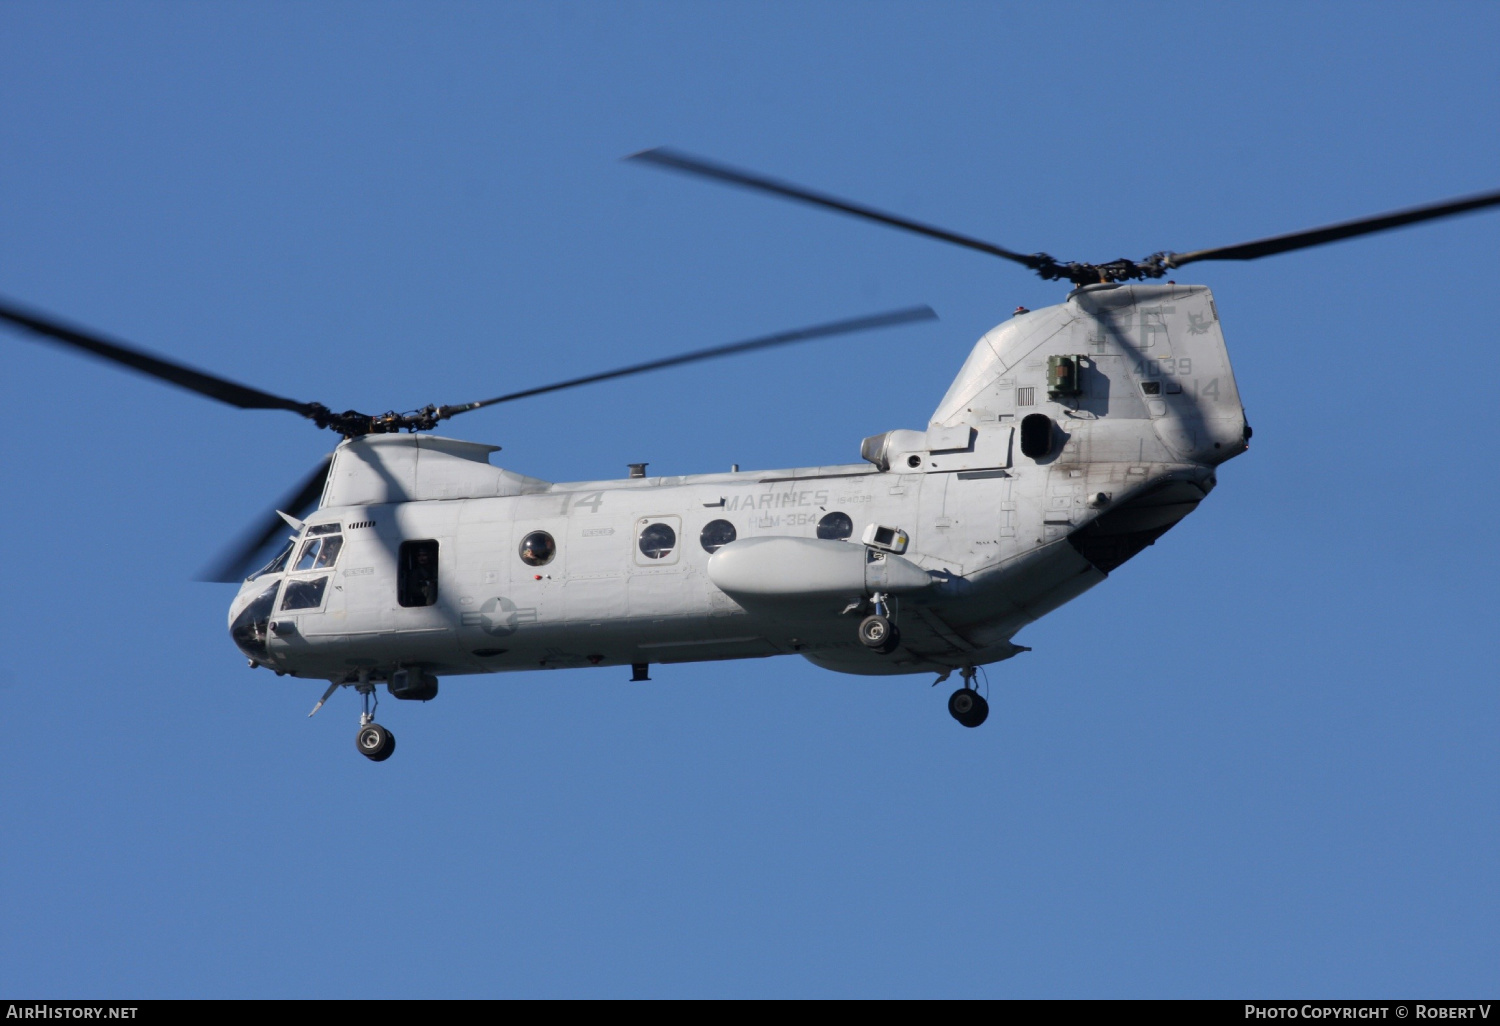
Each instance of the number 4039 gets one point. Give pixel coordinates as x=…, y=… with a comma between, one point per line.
x=1156, y=368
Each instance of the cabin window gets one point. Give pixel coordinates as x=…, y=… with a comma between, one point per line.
x=1036, y=435
x=276, y=565
x=1151, y=387
x=538, y=548
x=417, y=573
x=657, y=541
x=304, y=594
x=835, y=527
x=716, y=534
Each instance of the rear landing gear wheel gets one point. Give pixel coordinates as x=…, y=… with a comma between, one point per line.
x=877, y=632
x=968, y=707
x=375, y=742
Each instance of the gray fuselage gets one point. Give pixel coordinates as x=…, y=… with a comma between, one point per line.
x=1073, y=437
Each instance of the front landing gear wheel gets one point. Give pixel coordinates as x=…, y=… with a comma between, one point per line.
x=968, y=707
x=375, y=742
x=879, y=633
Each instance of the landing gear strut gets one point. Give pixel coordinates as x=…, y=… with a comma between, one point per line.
x=373, y=741
x=878, y=631
x=966, y=705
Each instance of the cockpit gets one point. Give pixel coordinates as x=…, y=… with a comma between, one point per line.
x=321, y=549
x=301, y=586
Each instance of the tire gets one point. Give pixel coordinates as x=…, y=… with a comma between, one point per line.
x=968, y=707
x=878, y=633
x=375, y=742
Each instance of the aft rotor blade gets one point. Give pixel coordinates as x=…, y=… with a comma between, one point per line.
x=235, y=563
x=211, y=385
x=884, y=320
x=1335, y=232
x=678, y=161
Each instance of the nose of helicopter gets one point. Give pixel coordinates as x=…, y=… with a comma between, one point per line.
x=241, y=599
x=250, y=616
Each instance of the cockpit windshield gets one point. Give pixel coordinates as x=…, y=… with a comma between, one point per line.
x=276, y=565
x=320, y=552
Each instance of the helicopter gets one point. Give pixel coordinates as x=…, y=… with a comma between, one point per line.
x=1071, y=439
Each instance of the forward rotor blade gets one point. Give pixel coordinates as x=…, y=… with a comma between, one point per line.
x=884, y=320
x=1336, y=232
x=677, y=161
x=214, y=387
x=236, y=561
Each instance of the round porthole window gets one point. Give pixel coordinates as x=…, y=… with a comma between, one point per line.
x=835, y=527
x=538, y=548
x=716, y=534
x=657, y=541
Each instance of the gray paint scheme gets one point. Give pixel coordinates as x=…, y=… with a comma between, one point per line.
x=998, y=538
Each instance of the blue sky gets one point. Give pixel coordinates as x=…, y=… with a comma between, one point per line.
x=1261, y=759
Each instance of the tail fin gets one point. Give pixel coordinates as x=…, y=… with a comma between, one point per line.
x=1150, y=353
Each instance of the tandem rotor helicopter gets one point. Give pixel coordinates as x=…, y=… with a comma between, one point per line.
x=1071, y=439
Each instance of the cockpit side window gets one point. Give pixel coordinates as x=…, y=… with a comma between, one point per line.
x=304, y=593
x=329, y=553
x=321, y=552
x=309, y=553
